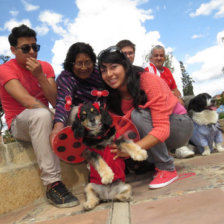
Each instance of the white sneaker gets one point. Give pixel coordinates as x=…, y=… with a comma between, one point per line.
x=219, y=147
x=184, y=152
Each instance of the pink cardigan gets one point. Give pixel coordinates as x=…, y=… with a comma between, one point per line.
x=161, y=102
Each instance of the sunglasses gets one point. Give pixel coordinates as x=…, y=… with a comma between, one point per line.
x=26, y=48
x=110, y=50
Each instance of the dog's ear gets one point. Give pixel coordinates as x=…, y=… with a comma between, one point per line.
x=78, y=128
x=106, y=118
x=190, y=105
x=190, y=108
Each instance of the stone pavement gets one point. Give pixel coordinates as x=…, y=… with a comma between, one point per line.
x=197, y=199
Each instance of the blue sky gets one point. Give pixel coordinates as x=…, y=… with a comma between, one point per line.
x=193, y=30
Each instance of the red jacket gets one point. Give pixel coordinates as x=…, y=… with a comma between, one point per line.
x=117, y=166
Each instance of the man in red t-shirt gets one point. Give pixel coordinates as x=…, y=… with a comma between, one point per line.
x=157, y=59
x=27, y=85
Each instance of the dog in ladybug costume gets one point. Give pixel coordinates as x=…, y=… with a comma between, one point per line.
x=94, y=125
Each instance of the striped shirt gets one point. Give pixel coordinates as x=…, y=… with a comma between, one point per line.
x=79, y=90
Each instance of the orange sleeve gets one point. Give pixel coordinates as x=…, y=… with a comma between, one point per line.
x=161, y=103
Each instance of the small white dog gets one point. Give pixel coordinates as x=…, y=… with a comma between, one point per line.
x=207, y=134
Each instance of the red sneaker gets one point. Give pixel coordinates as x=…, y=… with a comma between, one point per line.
x=163, y=178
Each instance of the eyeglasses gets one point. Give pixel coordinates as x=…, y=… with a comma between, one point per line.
x=80, y=64
x=109, y=50
x=26, y=48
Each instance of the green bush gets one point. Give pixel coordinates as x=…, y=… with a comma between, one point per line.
x=221, y=115
x=7, y=137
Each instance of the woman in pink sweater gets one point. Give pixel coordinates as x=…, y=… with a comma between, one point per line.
x=162, y=122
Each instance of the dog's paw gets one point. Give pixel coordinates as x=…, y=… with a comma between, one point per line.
x=88, y=205
x=206, y=151
x=124, y=198
x=139, y=155
x=134, y=150
x=125, y=195
x=107, y=177
x=219, y=147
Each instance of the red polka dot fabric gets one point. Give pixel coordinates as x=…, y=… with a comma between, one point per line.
x=69, y=149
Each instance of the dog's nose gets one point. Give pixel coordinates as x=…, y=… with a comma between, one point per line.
x=92, y=120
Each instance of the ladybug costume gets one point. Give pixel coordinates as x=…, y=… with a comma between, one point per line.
x=70, y=149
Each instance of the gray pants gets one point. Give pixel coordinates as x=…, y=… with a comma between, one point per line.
x=181, y=129
x=35, y=126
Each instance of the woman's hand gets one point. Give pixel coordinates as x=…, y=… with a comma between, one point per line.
x=118, y=153
x=57, y=127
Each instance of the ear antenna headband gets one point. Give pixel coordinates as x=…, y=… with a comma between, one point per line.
x=79, y=109
x=68, y=103
x=98, y=94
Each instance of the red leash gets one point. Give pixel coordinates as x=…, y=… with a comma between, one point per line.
x=184, y=175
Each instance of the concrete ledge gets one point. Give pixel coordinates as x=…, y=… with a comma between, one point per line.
x=121, y=213
x=20, y=176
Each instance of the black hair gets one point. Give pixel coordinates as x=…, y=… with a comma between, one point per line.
x=76, y=49
x=132, y=78
x=199, y=102
x=20, y=31
x=125, y=43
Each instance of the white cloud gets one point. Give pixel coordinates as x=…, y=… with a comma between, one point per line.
x=29, y=7
x=177, y=74
x=220, y=38
x=114, y=20
x=212, y=60
x=212, y=63
x=196, y=36
x=206, y=9
x=14, y=12
x=12, y=23
x=141, y=2
x=4, y=46
x=42, y=30
x=213, y=87
x=53, y=20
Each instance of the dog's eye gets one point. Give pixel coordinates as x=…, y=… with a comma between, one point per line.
x=93, y=111
x=83, y=115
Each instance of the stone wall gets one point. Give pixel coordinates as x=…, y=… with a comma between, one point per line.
x=221, y=121
x=20, y=183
